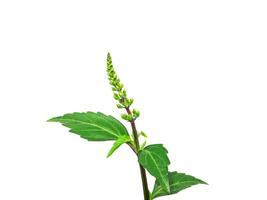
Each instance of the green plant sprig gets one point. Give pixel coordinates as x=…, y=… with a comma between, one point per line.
x=152, y=158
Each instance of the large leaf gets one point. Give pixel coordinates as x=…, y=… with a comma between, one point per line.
x=121, y=140
x=178, y=182
x=155, y=160
x=92, y=126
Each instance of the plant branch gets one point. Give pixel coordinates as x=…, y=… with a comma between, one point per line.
x=137, y=145
x=132, y=147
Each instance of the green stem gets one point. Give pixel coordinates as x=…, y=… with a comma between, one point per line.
x=137, y=145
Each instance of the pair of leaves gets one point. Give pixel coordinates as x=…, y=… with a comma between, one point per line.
x=155, y=160
x=95, y=127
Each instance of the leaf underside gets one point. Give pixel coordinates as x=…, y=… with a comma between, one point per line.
x=93, y=126
x=155, y=160
x=178, y=182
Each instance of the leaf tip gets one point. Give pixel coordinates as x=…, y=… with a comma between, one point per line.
x=108, y=155
x=203, y=182
x=54, y=119
x=50, y=120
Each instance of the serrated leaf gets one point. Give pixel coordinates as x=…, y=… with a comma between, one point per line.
x=178, y=182
x=155, y=160
x=92, y=126
x=121, y=140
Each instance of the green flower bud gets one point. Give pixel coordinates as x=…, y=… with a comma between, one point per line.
x=136, y=113
x=131, y=101
x=116, y=96
x=120, y=86
x=130, y=118
x=120, y=106
x=124, y=116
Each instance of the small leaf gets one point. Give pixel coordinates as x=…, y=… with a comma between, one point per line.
x=92, y=126
x=143, y=146
x=154, y=158
x=143, y=134
x=121, y=140
x=178, y=182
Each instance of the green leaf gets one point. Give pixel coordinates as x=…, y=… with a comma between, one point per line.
x=143, y=146
x=92, y=126
x=178, y=182
x=121, y=140
x=143, y=134
x=155, y=160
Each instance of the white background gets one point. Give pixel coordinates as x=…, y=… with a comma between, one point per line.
x=197, y=70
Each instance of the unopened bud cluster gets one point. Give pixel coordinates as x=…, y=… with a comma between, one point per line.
x=130, y=117
x=120, y=93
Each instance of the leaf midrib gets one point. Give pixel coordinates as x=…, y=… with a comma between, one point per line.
x=161, y=175
x=171, y=185
x=109, y=131
x=107, y=120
